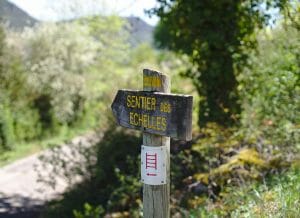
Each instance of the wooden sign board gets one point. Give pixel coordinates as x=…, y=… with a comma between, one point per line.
x=155, y=113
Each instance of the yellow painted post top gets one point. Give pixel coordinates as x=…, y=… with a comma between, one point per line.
x=152, y=81
x=155, y=81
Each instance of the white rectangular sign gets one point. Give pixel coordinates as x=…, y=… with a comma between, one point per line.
x=153, y=165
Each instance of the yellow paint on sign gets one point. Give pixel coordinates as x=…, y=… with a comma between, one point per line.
x=165, y=107
x=142, y=119
x=141, y=102
x=158, y=123
x=152, y=81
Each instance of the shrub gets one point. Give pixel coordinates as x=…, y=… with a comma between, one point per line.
x=270, y=88
x=89, y=212
x=67, y=70
x=7, y=135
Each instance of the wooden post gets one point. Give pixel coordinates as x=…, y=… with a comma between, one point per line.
x=160, y=115
x=156, y=198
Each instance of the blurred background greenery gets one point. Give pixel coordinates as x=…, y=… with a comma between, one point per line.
x=239, y=59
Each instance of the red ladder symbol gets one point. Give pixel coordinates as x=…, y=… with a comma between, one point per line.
x=151, y=161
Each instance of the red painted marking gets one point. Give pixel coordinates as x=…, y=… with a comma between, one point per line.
x=151, y=174
x=151, y=161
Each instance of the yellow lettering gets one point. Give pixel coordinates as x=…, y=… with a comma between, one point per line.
x=154, y=123
x=151, y=122
x=144, y=101
x=165, y=107
x=158, y=122
x=164, y=123
x=131, y=118
x=140, y=119
x=136, y=119
x=145, y=120
x=128, y=100
x=141, y=102
x=145, y=116
x=148, y=104
x=138, y=101
x=153, y=104
x=133, y=101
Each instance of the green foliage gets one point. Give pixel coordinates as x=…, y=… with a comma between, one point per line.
x=68, y=68
x=89, y=212
x=117, y=171
x=2, y=38
x=292, y=13
x=57, y=60
x=214, y=34
x=270, y=88
x=113, y=182
x=277, y=197
x=18, y=120
x=61, y=76
x=218, y=162
x=7, y=135
x=57, y=76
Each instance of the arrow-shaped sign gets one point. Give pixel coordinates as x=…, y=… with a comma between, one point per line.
x=155, y=112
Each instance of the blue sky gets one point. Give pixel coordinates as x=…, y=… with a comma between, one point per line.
x=52, y=10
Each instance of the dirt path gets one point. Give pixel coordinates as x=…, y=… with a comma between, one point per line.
x=21, y=195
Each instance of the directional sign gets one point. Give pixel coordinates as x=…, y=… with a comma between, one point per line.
x=155, y=113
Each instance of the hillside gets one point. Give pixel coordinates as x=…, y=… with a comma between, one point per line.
x=139, y=30
x=17, y=19
x=14, y=17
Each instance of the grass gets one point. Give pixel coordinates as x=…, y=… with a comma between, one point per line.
x=25, y=149
x=278, y=196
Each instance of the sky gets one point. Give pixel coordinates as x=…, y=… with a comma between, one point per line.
x=53, y=10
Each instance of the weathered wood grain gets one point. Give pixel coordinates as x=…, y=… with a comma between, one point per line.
x=172, y=112
x=158, y=115
x=156, y=199
x=156, y=81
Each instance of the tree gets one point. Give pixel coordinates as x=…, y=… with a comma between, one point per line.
x=2, y=38
x=292, y=12
x=270, y=87
x=216, y=36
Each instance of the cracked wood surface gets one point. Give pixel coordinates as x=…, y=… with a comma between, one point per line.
x=156, y=197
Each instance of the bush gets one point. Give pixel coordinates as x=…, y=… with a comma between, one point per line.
x=57, y=76
x=89, y=212
x=118, y=170
x=7, y=135
x=18, y=120
x=111, y=179
x=270, y=88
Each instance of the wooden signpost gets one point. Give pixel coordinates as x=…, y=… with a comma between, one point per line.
x=159, y=115
x=156, y=113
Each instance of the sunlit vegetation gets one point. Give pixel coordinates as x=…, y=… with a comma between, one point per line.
x=242, y=161
x=61, y=76
x=277, y=196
